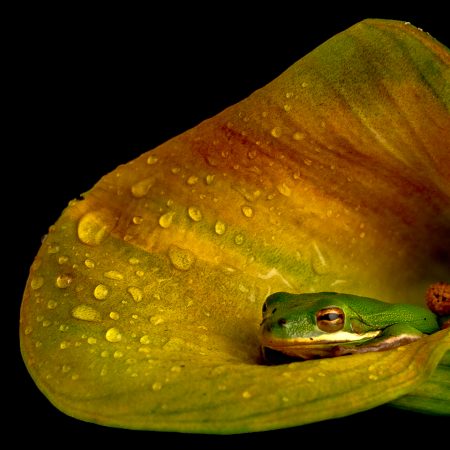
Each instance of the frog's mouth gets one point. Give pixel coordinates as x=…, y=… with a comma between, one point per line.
x=316, y=346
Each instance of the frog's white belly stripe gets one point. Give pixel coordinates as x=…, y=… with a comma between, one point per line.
x=327, y=338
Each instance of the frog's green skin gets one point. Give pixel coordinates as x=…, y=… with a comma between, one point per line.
x=290, y=324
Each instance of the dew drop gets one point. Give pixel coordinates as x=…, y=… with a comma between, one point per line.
x=297, y=136
x=52, y=249
x=89, y=263
x=287, y=107
x=133, y=260
x=192, y=180
x=152, y=160
x=220, y=227
x=52, y=304
x=195, y=214
x=157, y=386
x=251, y=154
x=86, y=312
x=145, y=339
x=137, y=220
x=246, y=394
x=239, y=239
x=141, y=188
x=209, y=179
x=46, y=323
x=135, y=293
x=65, y=368
x=247, y=211
x=113, y=275
x=114, y=315
x=118, y=354
x=113, y=335
x=284, y=189
x=63, y=259
x=64, y=344
x=63, y=281
x=276, y=132
x=166, y=219
x=36, y=283
x=95, y=226
x=156, y=320
x=181, y=259
x=91, y=340
x=28, y=330
x=101, y=292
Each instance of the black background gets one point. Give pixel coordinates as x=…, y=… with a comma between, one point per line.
x=92, y=89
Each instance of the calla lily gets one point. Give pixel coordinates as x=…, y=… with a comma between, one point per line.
x=143, y=304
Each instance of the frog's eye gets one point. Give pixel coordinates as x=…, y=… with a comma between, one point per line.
x=330, y=319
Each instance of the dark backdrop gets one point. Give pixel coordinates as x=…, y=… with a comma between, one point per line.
x=95, y=88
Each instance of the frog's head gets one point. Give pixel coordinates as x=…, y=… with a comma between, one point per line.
x=306, y=320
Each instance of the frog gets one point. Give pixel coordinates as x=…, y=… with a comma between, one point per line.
x=329, y=324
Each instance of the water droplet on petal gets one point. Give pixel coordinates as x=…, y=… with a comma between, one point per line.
x=113, y=335
x=28, y=330
x=209, y=179
x=36, y=283
x=52, y=304
x=239, y=239
x=195, y=214
x=157, y=386
x=135, y=293
x=63, y=259
x=145, y=339
x=220, y=227
x=152, y=160
x=246, y=394
x=101, y=292
x=137, y=220
x=113, y=275
x=89, y=263
x=284, y=189
x=297, y=136
x=114, y=315
x=133, y=260
x=192, y=180
x=95, y=226
x=276, y=132
x=63, y=281
x=181, y=259
x=141, y=188
x=118, y=354
x=91, y=340
x=247, y=211
x=166, y=219
x=86, y=312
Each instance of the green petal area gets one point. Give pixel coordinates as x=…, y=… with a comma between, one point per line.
x=143, y=304
x=433, y=396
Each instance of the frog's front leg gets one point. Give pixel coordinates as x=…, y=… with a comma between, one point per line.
x=391, y=337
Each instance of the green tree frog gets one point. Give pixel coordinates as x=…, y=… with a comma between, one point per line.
x=328, y=324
